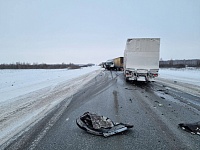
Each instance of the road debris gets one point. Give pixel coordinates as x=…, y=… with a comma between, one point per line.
x=161, y=90
x=128, y=89
x=193, y=128
x=100, y=125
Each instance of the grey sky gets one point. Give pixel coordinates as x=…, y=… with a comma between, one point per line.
x=91, y=31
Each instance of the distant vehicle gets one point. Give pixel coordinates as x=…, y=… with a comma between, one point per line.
x=103, y=64
x=114, y=64
x=141, y=59
x=109, y=65
x=118, y=63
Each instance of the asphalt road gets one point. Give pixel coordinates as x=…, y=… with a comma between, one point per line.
x=154, y=109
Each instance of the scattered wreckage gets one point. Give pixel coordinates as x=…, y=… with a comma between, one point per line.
x=193, y=128
x=100, y=125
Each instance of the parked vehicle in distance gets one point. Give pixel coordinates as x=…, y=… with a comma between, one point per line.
x=141, y=59
x=114, y=64
x=103, y=64
x=109, y=65
x=118, y=63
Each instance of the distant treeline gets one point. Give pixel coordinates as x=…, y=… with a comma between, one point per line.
x=19, y=65
x=179, y=63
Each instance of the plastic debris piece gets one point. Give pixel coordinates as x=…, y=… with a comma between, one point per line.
x=193, y=128
x=100, y=125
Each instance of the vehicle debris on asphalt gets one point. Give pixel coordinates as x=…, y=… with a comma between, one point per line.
x=193, y=128
x=100, y=125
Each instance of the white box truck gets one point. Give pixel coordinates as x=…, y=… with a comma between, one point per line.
x=141, y=59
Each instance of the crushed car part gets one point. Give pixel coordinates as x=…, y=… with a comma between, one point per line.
x=100, y=125
x=193, y=128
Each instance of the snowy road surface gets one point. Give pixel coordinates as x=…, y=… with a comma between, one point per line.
x=32, y=94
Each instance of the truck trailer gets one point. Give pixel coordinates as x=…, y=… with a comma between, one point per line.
x=141, y=59
x=118, y=63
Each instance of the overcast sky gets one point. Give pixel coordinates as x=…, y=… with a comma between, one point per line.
x=92, y=31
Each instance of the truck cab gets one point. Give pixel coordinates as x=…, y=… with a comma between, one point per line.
x=109, y=64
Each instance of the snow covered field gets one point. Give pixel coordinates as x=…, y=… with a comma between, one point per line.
x=28, y=95
x=20, y=82
x=186, y=80
x=186, y=75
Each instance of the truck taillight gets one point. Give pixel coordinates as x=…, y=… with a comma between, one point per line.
x=155, y=75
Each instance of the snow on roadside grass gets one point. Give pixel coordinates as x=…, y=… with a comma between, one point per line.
x=20, y=82
x=186, y=80
x=27, y=95
x=186, y=75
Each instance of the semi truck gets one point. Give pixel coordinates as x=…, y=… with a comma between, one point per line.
x=141, y=59
x=109, y=64
x=115, y=64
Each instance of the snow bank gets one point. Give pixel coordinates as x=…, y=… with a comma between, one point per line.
x=186, y=75
x=27, y=95
x=20, y=82
x=186, y=80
